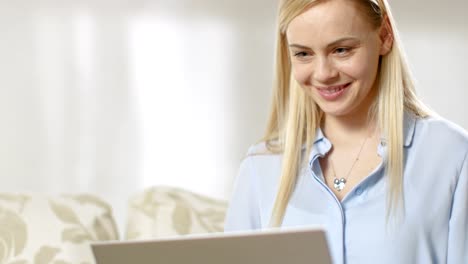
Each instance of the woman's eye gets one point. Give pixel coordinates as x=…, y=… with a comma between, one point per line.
x=301, y=54
x=342, y=51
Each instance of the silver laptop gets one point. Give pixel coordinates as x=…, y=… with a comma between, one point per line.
x=290, y=246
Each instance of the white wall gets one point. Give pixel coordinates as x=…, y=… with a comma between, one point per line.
x=110, y=97
x=114, y=96
x=435, y=36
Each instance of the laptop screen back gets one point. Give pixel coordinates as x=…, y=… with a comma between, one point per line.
x=266, y=247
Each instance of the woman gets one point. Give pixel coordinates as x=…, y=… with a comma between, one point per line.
x=349, y=146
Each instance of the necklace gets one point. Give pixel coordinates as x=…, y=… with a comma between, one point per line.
x=339, y=184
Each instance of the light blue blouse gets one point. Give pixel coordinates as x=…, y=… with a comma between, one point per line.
x=434, y=228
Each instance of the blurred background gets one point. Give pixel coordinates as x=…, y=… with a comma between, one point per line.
x=111, y=97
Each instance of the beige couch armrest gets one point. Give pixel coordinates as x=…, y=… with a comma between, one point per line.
x=41, y=229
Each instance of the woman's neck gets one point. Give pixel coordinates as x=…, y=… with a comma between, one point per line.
x=345, y=130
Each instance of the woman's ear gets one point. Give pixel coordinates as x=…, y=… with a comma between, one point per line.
x=386, y=37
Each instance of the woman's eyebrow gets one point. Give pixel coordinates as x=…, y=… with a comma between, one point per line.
x=338, y=41
x=298, y=46
x=334, y=43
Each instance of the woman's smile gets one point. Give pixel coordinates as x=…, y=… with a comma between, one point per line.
x=332, y=93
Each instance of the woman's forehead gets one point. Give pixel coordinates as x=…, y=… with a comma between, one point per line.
x=329, y=20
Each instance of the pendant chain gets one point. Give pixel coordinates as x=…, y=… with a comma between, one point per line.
x=339, y=184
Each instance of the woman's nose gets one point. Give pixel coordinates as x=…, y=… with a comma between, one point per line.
x=324, y=71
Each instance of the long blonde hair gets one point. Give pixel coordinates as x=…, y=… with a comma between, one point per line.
x=294, y=117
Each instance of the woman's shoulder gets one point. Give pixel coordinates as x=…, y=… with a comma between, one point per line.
x=263, y=156
x=263, y=148
x=438, y=136
x=261, y=165
x=441, y=129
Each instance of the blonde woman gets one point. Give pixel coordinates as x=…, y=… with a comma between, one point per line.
x=349, y=145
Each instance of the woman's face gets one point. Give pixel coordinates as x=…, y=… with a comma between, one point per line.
x=335, y=53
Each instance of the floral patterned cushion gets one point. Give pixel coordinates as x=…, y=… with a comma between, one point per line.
x=44, y=229
x=164, y=211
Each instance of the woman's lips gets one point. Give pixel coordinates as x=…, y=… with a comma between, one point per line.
x=332, y=93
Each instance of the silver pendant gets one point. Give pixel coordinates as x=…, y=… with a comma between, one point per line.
x=339, y=184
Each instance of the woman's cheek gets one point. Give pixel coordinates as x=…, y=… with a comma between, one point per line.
x=302, y=74
x=352, y=67
x=360, y=67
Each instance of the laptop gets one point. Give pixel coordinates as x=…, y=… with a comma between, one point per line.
x=290, y=246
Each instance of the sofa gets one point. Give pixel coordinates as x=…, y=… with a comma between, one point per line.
x=58, y=229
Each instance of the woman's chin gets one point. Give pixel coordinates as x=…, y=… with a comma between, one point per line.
x=335, y=110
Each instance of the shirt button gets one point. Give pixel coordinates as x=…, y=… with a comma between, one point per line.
x=359, y=191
